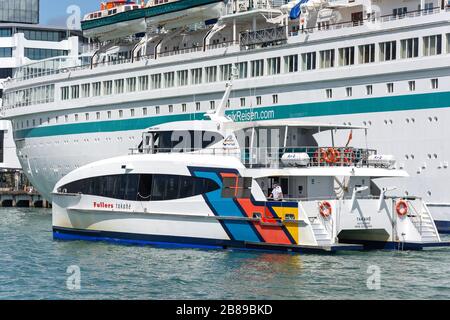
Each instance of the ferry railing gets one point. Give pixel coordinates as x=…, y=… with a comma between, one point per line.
x=271, y=158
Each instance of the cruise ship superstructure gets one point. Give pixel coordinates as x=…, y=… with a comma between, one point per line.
x=383, y=65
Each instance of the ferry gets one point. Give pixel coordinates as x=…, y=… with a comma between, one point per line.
x=204, y=183
x=379, y=64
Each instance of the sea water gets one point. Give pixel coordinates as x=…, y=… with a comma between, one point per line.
x=34, y=266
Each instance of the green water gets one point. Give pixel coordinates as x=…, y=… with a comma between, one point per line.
x=34, y=266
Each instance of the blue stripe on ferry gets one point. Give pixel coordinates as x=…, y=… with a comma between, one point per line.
x=239, y=230
x=316, y=109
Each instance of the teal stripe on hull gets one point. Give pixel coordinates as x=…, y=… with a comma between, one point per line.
x=356, y=106
x=146, y=13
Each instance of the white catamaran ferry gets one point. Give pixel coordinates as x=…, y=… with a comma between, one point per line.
x=205, y=183
x=381, y=64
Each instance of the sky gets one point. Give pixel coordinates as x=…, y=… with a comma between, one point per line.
x=53, y=12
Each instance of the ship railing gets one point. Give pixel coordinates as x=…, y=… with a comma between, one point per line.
x=271, y=158
x=371, y=20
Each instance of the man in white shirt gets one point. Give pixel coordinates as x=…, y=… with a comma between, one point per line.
x=277, y=193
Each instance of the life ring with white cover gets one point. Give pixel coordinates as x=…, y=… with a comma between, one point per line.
x=325, y=209
x=402, y=208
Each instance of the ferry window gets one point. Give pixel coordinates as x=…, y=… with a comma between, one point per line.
x=236, y=187
x=291, y=63
x=169, y=79
x=211, y=74
x=412, y=85
x=327, y=59
x=273, y=66
x=409, y=48
x=367, y=53
x=388, y=51
x=432, y=45
x=145, y=187
x=434, y=83
x=242, y=68
x=369, y=90
x=143, y=83
x=131, y=84
x=347, y=56
x=183, y=78
x=225, y=72
x=257, y=68
x=309, y=61
x=118, y=86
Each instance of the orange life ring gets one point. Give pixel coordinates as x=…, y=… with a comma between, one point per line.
x=325, y=209
x=402, y=208
x=332, y=155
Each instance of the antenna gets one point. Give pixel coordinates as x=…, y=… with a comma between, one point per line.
x=219, y=114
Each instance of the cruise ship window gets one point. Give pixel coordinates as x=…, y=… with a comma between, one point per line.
x=119, y=86
x=291, y=63
x=86, y=116
x=76, y=117
x=448, y=42
x=98, y=115
x=65, y=93
x=132, y=112
x=197, y=106
x=170, y=108
x=347, y=56
x=183, y=78
x=409, y=48
x=155, y=81
x=109, y=114
x=369, y=90
x=242, y=102
x=257, y=68
x=212, y=105
x=169, y=79
x=242, y=68
x=75, y=91
x=390, y=87
x=211, y=74
x=329, y=93
x=432, y=45
x=144, y=111
x=225, y=72
x=107, y=87
x=367, y=53
x=97, y=89
x=131, y=84
x=388, y=51
x=183, y=107
x=196, y=76
x=308, y=61
x=274, y=66
x=120, y=113
x=327, y=59
x=258, y=100
x=412, y=85
x=275, y=99
x=349, y=91
x=85, y=90
x=434, y=83
x=157, y=110
x=143, y=83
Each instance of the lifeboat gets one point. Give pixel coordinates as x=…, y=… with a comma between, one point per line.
x=123, y=18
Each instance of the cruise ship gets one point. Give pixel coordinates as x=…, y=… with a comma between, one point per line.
x=381, y=64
